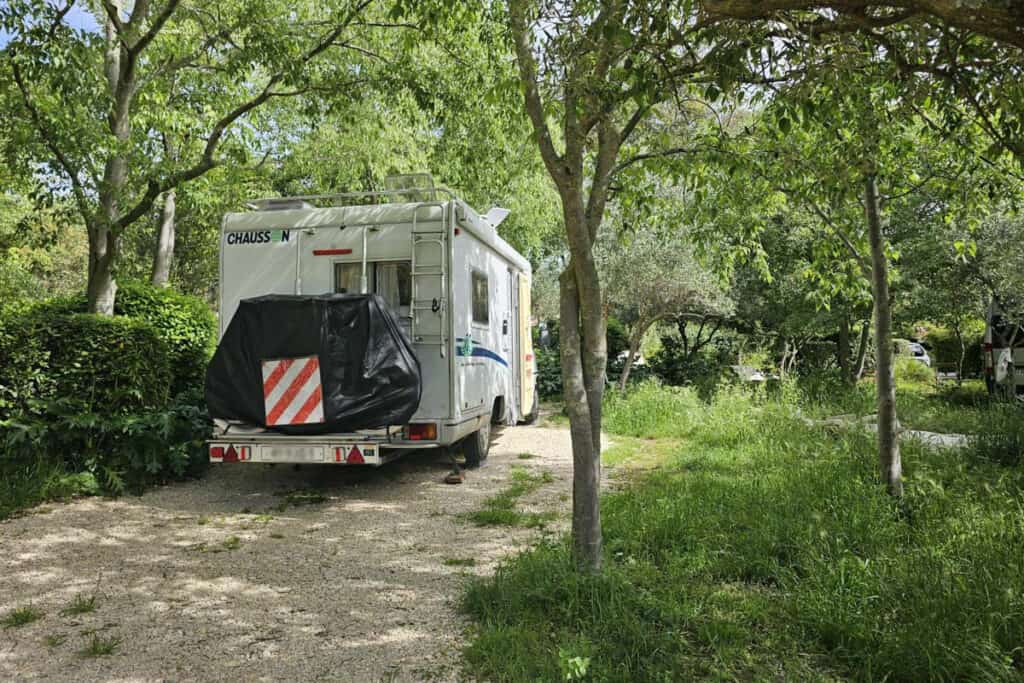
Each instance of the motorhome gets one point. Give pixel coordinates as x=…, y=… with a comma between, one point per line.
x=1003, y=354
x=460, y=293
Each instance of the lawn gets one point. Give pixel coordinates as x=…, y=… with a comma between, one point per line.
x=760, y=547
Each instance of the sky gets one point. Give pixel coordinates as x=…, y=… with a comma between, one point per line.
x=78, y=17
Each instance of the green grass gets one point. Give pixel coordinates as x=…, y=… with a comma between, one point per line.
x=100, y=646
x=764, y=549
x=459, y=562
x=21, y=616
x=55, y=639
x=502, y=509
x=80, y=604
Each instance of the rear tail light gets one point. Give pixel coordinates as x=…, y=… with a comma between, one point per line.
x=217, y=452
x=426, y=431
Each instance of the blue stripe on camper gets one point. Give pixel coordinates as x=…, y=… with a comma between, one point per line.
x=479, y=352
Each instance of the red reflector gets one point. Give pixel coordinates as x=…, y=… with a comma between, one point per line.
x=217, y=452
x=422, y=432
x=529, y=356
x=331, y=252
x=457, y=231
x=355, y=457
x=231, y=455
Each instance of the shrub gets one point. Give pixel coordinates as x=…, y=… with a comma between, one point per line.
x=945, y=348
x=185, y=323
x=89, y=362
x=704, y=370
x=913, y=371
x=549, y=373
x=121, y=452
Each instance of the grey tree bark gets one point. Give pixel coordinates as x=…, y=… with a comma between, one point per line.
x=843, y=351
x=634, y=347
x=889, y=462
x=862, y=351
x=165, y=241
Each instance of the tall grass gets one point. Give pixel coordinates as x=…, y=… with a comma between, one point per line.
x=766, y=550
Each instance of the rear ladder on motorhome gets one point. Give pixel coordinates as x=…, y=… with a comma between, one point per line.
x=429, y=309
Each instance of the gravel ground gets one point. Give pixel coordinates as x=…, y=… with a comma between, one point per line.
x=210, y=580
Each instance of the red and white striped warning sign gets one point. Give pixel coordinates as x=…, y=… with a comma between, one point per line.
x=292, y=392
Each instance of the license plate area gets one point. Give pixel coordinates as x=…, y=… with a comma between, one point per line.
x=292, y=454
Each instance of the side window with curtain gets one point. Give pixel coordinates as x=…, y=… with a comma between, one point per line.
x=481, y=308
x=346, y=277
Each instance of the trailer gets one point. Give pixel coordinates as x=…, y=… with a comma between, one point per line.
x=460, y=295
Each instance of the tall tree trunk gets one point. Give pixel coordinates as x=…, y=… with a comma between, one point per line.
x=862, y=351
x=634, y=346
x=586, y=470
x=885, y=378
x=101, y=288
x=843, y=349
x=165, y=242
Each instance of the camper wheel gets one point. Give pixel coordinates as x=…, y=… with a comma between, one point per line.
x=476, y=445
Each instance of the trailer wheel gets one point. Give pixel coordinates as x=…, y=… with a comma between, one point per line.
x=476, y=446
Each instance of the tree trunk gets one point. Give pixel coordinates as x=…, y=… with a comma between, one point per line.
x=785, y=355
x=963, y=353
x=165, y=242
x=586, y=470
x=862, y=351
x=101, y=288
x=634, y=346
x=885, y=379
x=843, y=349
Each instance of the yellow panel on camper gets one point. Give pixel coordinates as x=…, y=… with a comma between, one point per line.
x=526, y=388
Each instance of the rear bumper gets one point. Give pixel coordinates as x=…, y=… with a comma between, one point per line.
x=372, y=447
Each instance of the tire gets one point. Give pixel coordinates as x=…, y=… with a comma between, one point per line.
x=476, y=446
x=531, y=417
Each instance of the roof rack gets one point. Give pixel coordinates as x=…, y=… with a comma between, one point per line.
x=415, y=194
x=405, y=187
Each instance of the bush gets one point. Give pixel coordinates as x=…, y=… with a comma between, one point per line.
x=945, y=348
x=119, y=452
x=92, y=363
x=549, y=373
x=185, y=323
x=913, y=371
x=704, y=370
x=115, y=400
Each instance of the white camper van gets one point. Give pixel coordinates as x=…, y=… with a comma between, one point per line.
x=460, y=292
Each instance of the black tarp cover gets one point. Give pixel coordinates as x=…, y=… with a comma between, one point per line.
x=370, y=375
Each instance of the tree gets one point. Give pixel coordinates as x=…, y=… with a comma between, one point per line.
x=1001, y=20
x=97, y=110
x=599, y=70
x=652, y=274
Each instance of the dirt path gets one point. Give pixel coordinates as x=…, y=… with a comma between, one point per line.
x=209, y=580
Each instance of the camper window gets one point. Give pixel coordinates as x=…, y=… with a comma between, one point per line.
x=346, y=277
x=392, y=280
x=480, y=303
